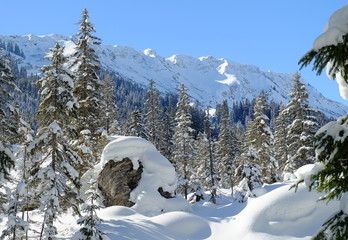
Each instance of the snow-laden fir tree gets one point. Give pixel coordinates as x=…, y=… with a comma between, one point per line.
x=90, y=222
x=27, y=138
x=256, y=162
x=332, y=139
x=201, y=159
x=260, y=141
x=301, y=129
x=212, y=163
x=110, y=119
x=16, y=227
x=87, y=90
x=280, y=138
x=167, y=134
x=8, y=123
x=183, y=142
x=152, y=116
x=135, y=126
x=251, y=179
x=248, y=170
x=57, y=178
x=198, y=177
x=226, y=149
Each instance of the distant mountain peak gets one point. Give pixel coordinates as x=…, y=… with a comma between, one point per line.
x=208, y=79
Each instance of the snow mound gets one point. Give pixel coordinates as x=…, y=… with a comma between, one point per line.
x=335, y=29
x=282, y=214
x=184, y=225
x=157, y=173
x=119, y=211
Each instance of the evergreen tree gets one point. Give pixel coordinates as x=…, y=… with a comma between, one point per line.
x=110, y=119
x=15, y=227
x=260, y=141
x=251, y=179
x=332, y=141
x=201, y=158
x=8, y=123
x=135, y=126
x=302, y=128
x=226, y=149
x=26, y=195
x=280, y=138
x=87, y=91
x=167, y=134
x=57, y=178
x=212, y=178
x=152, y=116
x=182, y=142
x=90, y=229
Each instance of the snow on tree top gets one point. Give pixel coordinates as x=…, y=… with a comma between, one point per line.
x=335, y=29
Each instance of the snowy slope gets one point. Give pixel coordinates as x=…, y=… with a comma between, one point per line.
x=209, y=79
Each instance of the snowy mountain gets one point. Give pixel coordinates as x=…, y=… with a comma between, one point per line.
x=209, y=79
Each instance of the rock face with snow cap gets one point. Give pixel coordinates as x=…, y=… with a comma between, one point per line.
x=133, y=173
x=117, y=180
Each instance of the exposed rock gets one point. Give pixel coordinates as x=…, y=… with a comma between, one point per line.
x=117, y=180
x=164, y=193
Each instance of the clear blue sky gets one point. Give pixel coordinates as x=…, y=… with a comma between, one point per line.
x=271, y=34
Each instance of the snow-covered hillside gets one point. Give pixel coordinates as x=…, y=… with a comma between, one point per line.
x=208, y=79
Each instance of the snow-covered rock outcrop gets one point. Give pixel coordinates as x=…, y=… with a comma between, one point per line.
x=157, y=173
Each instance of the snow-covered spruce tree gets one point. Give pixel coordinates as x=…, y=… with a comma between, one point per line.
x=280, y=138
x=226, y=149
x=87, y=90
x=260, y=141
x=26, y=196
x=201, y=159
x=301, y=129
x=182, y=142
x=167, y=134
x=8, y=123
x=57, y=178
x=332, y=139
x=152, y=116
x=110, y=119
x=90, y=229
x=212, y=176
x=135, y=126
x=197, y=178
x=16, y=227
x=251, y=179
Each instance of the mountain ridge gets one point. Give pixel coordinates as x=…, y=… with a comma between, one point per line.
x=209, y=79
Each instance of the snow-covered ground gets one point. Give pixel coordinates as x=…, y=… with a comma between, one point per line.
x=277, y=212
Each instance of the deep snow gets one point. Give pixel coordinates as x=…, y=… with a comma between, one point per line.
x=277, y=212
